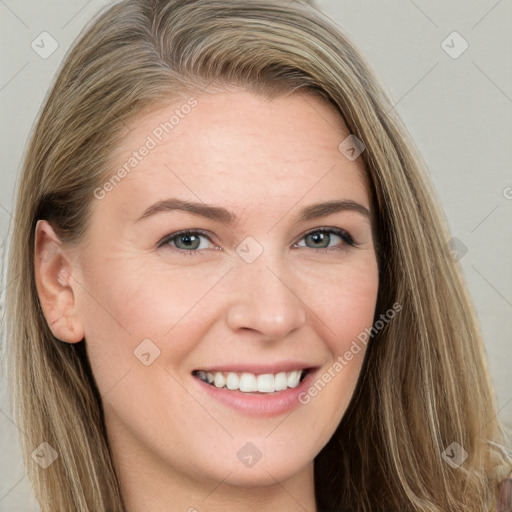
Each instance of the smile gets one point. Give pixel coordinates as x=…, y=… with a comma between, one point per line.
x=264, y=392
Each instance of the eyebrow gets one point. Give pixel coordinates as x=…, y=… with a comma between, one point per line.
x=224, y=216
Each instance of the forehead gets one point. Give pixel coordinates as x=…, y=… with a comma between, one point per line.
x=237, y=147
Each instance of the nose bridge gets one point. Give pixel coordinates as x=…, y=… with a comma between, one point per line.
x=264, y=296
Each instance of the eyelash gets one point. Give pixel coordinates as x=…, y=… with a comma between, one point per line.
x=344, y=235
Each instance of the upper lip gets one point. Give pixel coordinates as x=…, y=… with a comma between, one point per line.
x=257, y=368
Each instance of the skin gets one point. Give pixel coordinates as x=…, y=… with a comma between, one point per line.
x=263, y=160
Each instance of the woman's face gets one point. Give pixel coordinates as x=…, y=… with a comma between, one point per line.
x=260, y=291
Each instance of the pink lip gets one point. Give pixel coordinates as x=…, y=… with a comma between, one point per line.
x=258, y=404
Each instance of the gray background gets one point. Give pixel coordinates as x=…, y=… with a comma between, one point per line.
x=458, y=111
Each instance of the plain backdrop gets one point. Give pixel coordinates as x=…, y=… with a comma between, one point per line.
x=446, y=65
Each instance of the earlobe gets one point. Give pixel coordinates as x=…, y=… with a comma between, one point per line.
x=54, y=283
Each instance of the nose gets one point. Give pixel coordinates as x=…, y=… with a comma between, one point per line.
x=263, y=297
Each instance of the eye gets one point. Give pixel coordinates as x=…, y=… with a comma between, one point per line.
x=321, y=238
x=189, y=241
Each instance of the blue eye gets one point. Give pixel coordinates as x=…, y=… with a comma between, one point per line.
x=189, y=241
x=322, y=235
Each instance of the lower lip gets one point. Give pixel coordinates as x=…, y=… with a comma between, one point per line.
x=259, y=404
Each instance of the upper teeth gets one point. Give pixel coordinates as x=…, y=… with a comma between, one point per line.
x=249, y=382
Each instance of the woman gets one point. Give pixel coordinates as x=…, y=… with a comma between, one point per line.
x=256, y=370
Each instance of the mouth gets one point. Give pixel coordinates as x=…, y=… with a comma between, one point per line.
x=252, y=383
x=257, y=389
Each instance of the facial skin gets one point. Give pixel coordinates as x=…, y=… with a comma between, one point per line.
x=174, y=447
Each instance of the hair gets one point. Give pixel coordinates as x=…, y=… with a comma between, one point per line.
x=424, y=383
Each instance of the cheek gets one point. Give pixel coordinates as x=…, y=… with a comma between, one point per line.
x=344, y=301
x=126, y=302
x=345, y=304
x=163, y=291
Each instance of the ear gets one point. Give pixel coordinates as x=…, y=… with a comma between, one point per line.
x=54, y=275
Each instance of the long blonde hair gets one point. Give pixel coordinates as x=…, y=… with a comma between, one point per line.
x=425, y=381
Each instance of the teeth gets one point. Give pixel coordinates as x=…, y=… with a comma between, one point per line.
x=281, y=381
x=233, y=382
x=250, y=383
x=293, y=379
x=219, y=381
x=266, y=383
